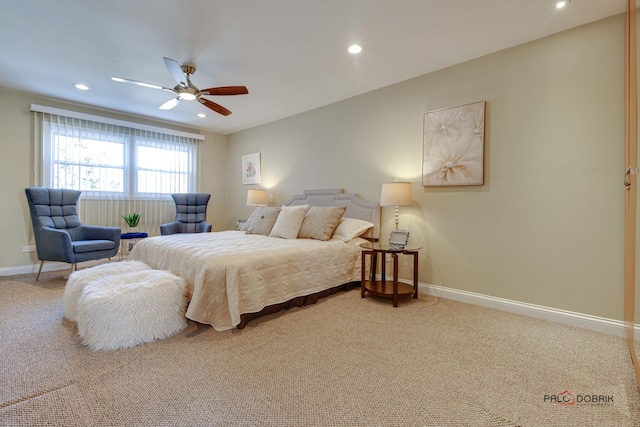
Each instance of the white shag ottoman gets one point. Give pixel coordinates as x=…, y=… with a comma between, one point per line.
x=79, y=279
x=132, y=308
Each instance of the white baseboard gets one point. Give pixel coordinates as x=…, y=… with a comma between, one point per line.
x=594, y=323
x=48, y=266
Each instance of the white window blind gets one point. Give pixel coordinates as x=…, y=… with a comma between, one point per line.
x=118, y=167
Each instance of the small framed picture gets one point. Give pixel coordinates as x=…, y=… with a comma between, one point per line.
x=398, y=239
x=240, y=223
x=251, y=169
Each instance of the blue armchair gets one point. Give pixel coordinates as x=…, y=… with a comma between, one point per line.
x=191, y=214
x=59, y=234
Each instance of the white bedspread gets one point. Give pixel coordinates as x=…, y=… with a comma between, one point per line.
x=229, y=273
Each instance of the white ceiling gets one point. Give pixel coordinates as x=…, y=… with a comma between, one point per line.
x=291, y=54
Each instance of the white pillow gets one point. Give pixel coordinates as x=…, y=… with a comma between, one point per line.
x=288, y=223
x=350, y=228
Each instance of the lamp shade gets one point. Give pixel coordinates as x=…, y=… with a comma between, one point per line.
x=396, y=194
x=257, y=197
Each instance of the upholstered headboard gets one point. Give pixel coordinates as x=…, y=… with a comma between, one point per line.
x=356, y=207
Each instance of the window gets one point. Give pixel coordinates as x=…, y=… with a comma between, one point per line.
x=120, y=167
x=87, y=164
x=162, y=169
x=112, y=161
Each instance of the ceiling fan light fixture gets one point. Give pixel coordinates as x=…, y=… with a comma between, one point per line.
x=186, y=96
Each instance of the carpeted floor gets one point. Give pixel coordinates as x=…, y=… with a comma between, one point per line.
x=344, y=361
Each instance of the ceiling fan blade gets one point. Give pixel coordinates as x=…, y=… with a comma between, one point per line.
x=176, y=71
x=225, y=90
x=137, y=83
x=215, y=107
x=170, y=104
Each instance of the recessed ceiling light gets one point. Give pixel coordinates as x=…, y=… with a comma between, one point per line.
x=355, y=49
x=562, y=4
x=82, y=86
x=202, y=115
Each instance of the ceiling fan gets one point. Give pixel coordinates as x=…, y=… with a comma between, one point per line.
x=187, y=91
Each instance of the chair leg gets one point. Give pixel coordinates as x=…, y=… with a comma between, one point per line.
x=39, y=270
x=74, y=267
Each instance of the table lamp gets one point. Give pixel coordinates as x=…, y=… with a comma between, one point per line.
x=396, y=194
x=257, y=197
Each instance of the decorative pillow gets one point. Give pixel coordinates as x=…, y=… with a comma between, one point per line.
x=320, y=222
x=262, y=220
x=294, y=207
x=247, y=223
x=288, y=223
x=249, y=220
x=350, y=228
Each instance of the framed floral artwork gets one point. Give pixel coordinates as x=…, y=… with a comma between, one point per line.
x=453, y=146
x=251, y=168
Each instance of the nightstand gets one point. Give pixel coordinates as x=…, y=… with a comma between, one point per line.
x=387, y=288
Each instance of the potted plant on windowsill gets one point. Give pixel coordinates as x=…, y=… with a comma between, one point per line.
x=132, y=220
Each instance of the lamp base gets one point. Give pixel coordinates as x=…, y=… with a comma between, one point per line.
x=396, y=213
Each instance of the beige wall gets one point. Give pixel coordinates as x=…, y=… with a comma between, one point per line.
x=16, y=172
x=213, y=169
x=546, y=227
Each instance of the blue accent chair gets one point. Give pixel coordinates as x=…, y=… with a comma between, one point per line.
x=59, y=234
x=191, y=214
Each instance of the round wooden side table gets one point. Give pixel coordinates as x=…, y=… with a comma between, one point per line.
x=383, y=287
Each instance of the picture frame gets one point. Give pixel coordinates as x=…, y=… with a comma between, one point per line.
x=453, y=146
x=398, y=239
x=251, y=169
x=240, y=223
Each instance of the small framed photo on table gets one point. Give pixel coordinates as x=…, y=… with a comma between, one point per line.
x=398, y=239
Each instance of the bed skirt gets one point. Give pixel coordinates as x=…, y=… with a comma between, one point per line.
x=295, y=302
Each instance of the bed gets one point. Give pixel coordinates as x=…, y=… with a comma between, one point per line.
x=235, y=276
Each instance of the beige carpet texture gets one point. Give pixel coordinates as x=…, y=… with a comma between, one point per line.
x=345, y=361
